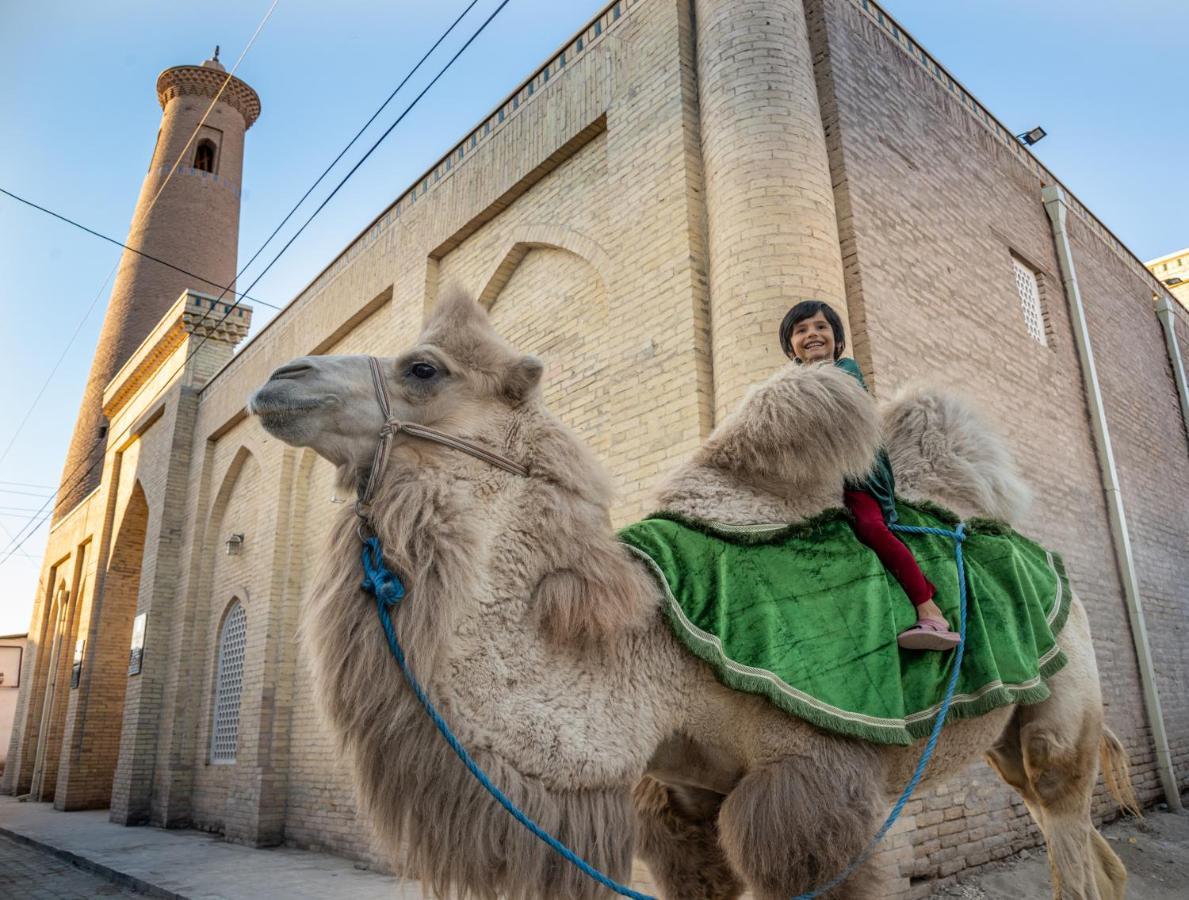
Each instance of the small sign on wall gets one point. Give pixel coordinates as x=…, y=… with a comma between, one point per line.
x=76, y=670
x=136, y=655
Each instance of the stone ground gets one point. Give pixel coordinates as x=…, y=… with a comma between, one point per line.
x=1155, y=850
x=189, y=865
x=33, y=874
x=47, y=855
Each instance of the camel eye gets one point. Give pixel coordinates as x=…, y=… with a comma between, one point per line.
x=423, y=371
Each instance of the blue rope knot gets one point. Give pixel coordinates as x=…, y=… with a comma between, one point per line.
x=378, y=580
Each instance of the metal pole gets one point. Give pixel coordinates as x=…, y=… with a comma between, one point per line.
x=1164, y=312
x=1055, y=206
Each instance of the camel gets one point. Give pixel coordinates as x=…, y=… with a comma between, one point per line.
x=541, y=641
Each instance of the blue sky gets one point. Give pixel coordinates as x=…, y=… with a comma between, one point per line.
x=1105, y=79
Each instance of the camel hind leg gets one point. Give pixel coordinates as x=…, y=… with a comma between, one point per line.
x=677, y=836
x=1049, y=754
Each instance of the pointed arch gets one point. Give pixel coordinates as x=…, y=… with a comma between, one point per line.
x=542, y=237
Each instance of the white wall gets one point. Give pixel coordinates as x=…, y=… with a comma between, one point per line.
x=11, y=652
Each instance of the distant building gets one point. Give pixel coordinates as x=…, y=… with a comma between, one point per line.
x=1173, y=271
x=640, y=212
x=12, y=655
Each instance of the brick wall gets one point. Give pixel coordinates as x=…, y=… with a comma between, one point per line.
x=932, y=207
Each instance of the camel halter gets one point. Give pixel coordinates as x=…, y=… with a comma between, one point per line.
x=393, y=426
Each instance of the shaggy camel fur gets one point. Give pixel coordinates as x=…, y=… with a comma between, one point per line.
x=542, y=642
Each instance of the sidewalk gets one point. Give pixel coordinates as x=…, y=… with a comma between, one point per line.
x=195, y=865
x=191, y=865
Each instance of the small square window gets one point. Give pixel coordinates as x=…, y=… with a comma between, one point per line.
x=1028, y=287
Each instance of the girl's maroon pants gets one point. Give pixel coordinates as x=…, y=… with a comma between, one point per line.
x=873, y=531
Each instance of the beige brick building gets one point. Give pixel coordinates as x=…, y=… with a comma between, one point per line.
x=1173, y=270
x=639, y=213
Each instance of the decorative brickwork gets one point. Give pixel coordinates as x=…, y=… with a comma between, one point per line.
x=203, y=81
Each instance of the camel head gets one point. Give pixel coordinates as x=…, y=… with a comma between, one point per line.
x=459, y=377
x=463, y=379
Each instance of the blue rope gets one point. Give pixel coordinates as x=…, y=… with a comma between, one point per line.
x=958, y=535
x=377, y=573
x=387, y=588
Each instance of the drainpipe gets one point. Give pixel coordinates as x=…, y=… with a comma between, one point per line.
x=1164, y=312
x=1055, y=206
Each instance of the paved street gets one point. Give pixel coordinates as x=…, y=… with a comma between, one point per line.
x=32, y=874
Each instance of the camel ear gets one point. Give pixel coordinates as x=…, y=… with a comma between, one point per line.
x=522, y=378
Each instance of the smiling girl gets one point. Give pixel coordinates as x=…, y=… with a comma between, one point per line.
x=812, y=333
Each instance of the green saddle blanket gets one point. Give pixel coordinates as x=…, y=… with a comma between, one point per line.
x=806, y=616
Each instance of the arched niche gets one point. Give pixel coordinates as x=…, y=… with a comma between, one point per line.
x=542, y=237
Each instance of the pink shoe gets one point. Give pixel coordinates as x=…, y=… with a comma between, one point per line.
x=929, y=634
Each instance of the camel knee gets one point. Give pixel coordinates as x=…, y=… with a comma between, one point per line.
x=1061, y=771
x=791, y=826
x=1007, y=759
x=677, y=837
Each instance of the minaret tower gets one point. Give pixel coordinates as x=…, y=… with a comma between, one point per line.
x=190, y=220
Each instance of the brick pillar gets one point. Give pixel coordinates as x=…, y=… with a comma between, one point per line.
x=131, y=792
x=772, y=231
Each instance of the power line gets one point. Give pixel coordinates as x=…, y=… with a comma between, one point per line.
x=20, y=550
x=177, y=162
x=45, y=487
x=152, y=203
x=111, y=240
x=54, y=371
x=229, y=308
x=365, y=127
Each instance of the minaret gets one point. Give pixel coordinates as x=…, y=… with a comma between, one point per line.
x=191, y=221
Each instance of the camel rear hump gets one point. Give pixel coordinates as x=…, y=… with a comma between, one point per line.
x=943, y=449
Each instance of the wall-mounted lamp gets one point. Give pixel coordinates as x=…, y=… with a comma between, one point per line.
x=235, y=544
x=1028, y=138
x=1174, y=281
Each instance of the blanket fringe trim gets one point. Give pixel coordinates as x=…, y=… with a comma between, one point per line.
x=901, y=731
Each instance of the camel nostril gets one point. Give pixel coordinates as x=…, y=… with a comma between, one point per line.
x=295, y=370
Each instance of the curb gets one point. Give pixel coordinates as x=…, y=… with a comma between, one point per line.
x=120, y=879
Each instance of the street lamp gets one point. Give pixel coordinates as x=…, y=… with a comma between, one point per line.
x=1028, y=138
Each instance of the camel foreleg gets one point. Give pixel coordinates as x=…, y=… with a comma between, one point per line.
x=677, y=836
x=792, y=825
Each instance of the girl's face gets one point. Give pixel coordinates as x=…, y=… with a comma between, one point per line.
x=813, y=339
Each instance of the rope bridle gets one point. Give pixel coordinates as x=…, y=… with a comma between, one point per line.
x=393, y=426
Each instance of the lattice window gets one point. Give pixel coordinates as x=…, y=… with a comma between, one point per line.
x=229, y=681
x=1028, y=287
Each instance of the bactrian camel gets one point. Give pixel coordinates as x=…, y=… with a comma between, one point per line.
x=542, y=643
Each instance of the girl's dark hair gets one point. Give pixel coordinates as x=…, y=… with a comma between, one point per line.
x=807, y=309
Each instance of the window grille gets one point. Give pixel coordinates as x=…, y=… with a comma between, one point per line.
x=1029, y=289
x=229, y=684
